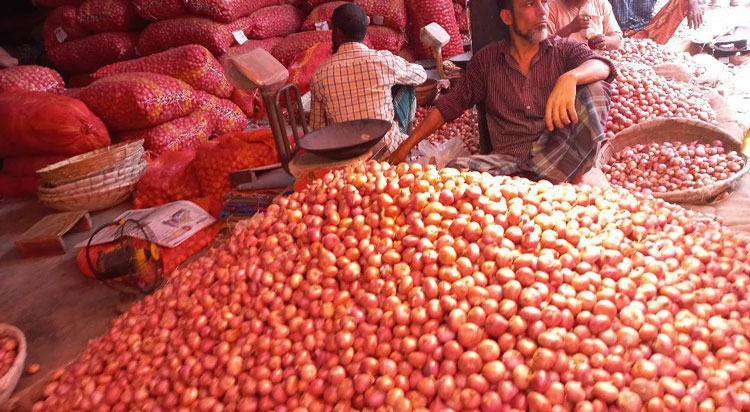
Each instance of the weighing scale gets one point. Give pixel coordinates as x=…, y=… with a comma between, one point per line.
x=334, y=146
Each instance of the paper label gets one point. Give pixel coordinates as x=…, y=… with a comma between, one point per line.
x=239, y=35
x=378, y=20
x=60, y=34
x=169, y=224
x=322, y=26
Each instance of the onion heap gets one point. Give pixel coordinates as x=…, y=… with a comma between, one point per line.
x=639, y=94
x=466, y=127
x=648, y=52
x=671, y=166
x=8, y=353
x=406, y=288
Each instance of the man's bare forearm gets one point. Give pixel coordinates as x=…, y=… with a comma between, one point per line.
x=429, y=125
x=590, y=71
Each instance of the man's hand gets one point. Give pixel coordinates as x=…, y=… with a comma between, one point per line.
x=694, y=14
x=598, y=42
x=561, y=108
x=581, y=22
x=399, y=155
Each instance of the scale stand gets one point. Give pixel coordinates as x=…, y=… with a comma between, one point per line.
x=331, y=146
x=257, y=69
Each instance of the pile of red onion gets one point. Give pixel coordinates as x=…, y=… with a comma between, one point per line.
x=406, y=288
x=648, y=52
x=466, y=127
x=670, y=166
x=639, y=94
x=8, y=353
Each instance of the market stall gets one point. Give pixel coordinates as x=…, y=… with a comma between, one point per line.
x=362, y=285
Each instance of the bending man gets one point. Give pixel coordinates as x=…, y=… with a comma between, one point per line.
x=545, y=99
x=358, y=83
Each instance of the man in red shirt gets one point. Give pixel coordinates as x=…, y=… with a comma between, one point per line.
x=545, y=99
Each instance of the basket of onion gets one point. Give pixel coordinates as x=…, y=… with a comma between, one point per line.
x=12, y=358
x=678, y=160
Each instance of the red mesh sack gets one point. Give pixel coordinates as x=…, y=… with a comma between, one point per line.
x=462, y=19
x=407, y=53
x=231, y=152
x=90, y=53
x=294, y=44
x=171, y=257
x=62, y=25
x=227, y=10
x=13, y=187
x=315, y=3
x=225, y=116
x=251, y=103
x=391, y=12
x=79, y=80
x=168, y=178
x=41, y=123
x=30, y=78
x=159, y=9
x=320, y=14
x=28, y=165
x=275, y=21
x=137, y=100
x=55, y=3
x=193, y=64
x=304, y=65
x=266, y=44
x=424, y=12
x=162, y=35
x=102, y=16
x=185, y=132
x=385, y=38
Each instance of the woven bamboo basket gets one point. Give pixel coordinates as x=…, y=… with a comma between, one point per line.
x=679, y=130
x=9, y=381
x=89, y=163
x=95, y=182
x=93, y=199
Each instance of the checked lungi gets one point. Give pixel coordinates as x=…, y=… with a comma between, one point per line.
x=559, y=155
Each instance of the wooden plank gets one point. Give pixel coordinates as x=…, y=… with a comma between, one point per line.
x=45, y=237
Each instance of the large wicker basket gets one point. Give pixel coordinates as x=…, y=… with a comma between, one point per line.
x=97, y=161
x=9, y=381
x=96, y=181
x=678, y=130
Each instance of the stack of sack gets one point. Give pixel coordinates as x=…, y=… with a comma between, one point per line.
x=212, y=113
x=81, y=36
x=174, y=100
x=40, y=127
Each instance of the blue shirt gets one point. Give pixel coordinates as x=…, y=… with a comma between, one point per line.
x=633, y=14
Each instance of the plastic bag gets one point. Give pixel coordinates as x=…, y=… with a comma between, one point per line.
x=439, y=154
x=30, y=78
x=186, y=132
x=41, y=123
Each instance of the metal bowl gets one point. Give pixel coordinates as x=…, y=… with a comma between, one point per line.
x=346, y=139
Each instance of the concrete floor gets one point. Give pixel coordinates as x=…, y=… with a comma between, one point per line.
x=58, y=309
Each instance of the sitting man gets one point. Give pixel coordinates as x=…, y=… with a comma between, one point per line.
x=545, y=100
x=588, y=21
x=358, y=83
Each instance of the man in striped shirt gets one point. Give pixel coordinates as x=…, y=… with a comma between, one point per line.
x=545, y=99
x=357, y=82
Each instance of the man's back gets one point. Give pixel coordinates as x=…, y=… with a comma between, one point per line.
x=356, y=84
